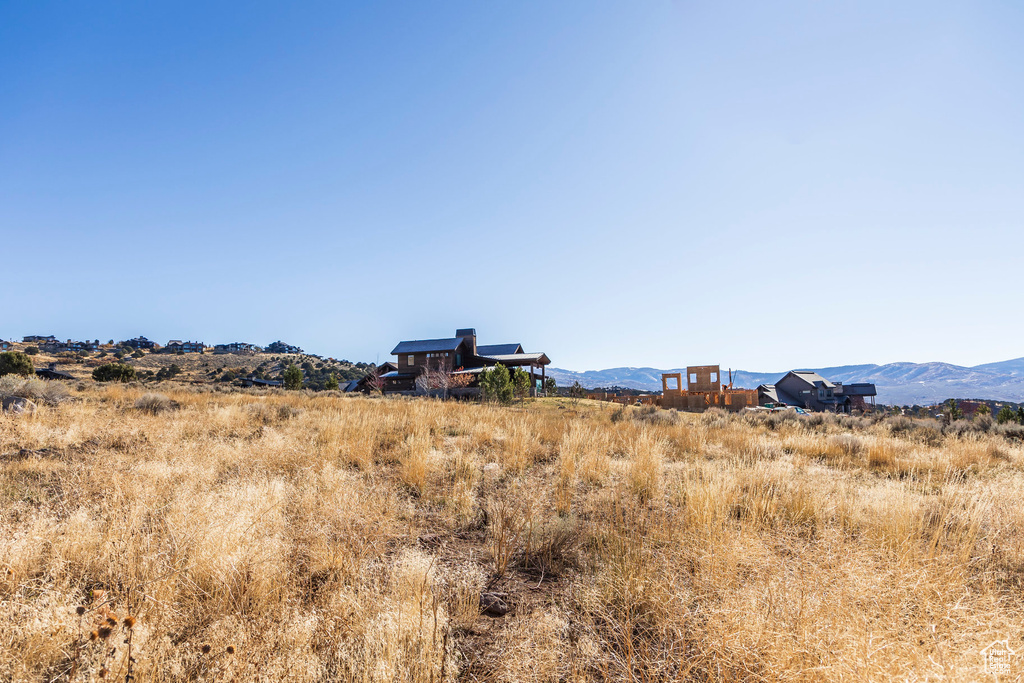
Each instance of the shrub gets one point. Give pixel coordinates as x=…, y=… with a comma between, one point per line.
x=114, y=372
x=155, y=403
x=1010, y=430
x=960, y=427
x=15, y=363
x=847, y=444
x=714, y=417
x=168, y=372
x=31, y=350
x=40, y=391
x=655, y=415
x=899, y=424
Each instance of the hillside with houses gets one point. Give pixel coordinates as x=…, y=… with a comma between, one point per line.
x=184, y=361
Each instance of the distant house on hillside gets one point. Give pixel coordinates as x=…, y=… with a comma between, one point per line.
x=5, y=345
x=139, y=342
x=237, y=347
x=71, y=345
x=178, y=346
x=461, y=355
x=257, y=382
x=280, y=347
x=809, y=390
x=37, y=338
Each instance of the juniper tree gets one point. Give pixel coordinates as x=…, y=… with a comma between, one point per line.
x=15, y=363
x=114, y=372
x=292, y=377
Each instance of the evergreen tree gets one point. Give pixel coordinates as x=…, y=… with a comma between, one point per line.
x=1006, y=414
x=292, y=377
x=496, y=384
x=332, y=383
x=953, y=411
x=15, y=363
x=114, y=372
x=576, y=392
x=520, y=384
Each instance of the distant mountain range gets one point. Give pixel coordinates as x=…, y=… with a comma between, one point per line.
x=897, y=383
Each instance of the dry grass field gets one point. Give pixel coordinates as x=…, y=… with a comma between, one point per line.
x=241, y=536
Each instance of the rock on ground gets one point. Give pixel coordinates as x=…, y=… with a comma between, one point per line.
x=19, y=405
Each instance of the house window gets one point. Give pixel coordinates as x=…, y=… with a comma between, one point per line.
x=714, y=376
x=458, y=360
x=412, y=359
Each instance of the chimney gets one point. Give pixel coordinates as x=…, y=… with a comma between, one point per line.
x=469, y=335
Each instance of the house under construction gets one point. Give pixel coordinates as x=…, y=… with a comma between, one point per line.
x=704, y=390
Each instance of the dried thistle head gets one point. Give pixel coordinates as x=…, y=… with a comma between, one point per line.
x=205, y=648
x=80, y=610
x=129, y=622
x=93, y=635
x=231, y=649
x=105, y=632
x=111, y=622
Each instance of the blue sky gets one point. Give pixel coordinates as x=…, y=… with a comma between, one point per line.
x=761, y=185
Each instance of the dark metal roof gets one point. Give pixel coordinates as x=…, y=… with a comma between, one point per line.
x=769, y=391
x=859, y=389
x=46, y=373
x=777, y=395
x=427, y=345
x=519, y=358
x=811, y=377
x=498, y=349
x=262, y=382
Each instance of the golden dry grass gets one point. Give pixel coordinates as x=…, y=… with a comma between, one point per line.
x=241, y=536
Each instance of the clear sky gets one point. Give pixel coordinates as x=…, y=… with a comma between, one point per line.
x=761, y=185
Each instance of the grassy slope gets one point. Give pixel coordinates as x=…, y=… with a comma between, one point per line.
x=327, y=538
